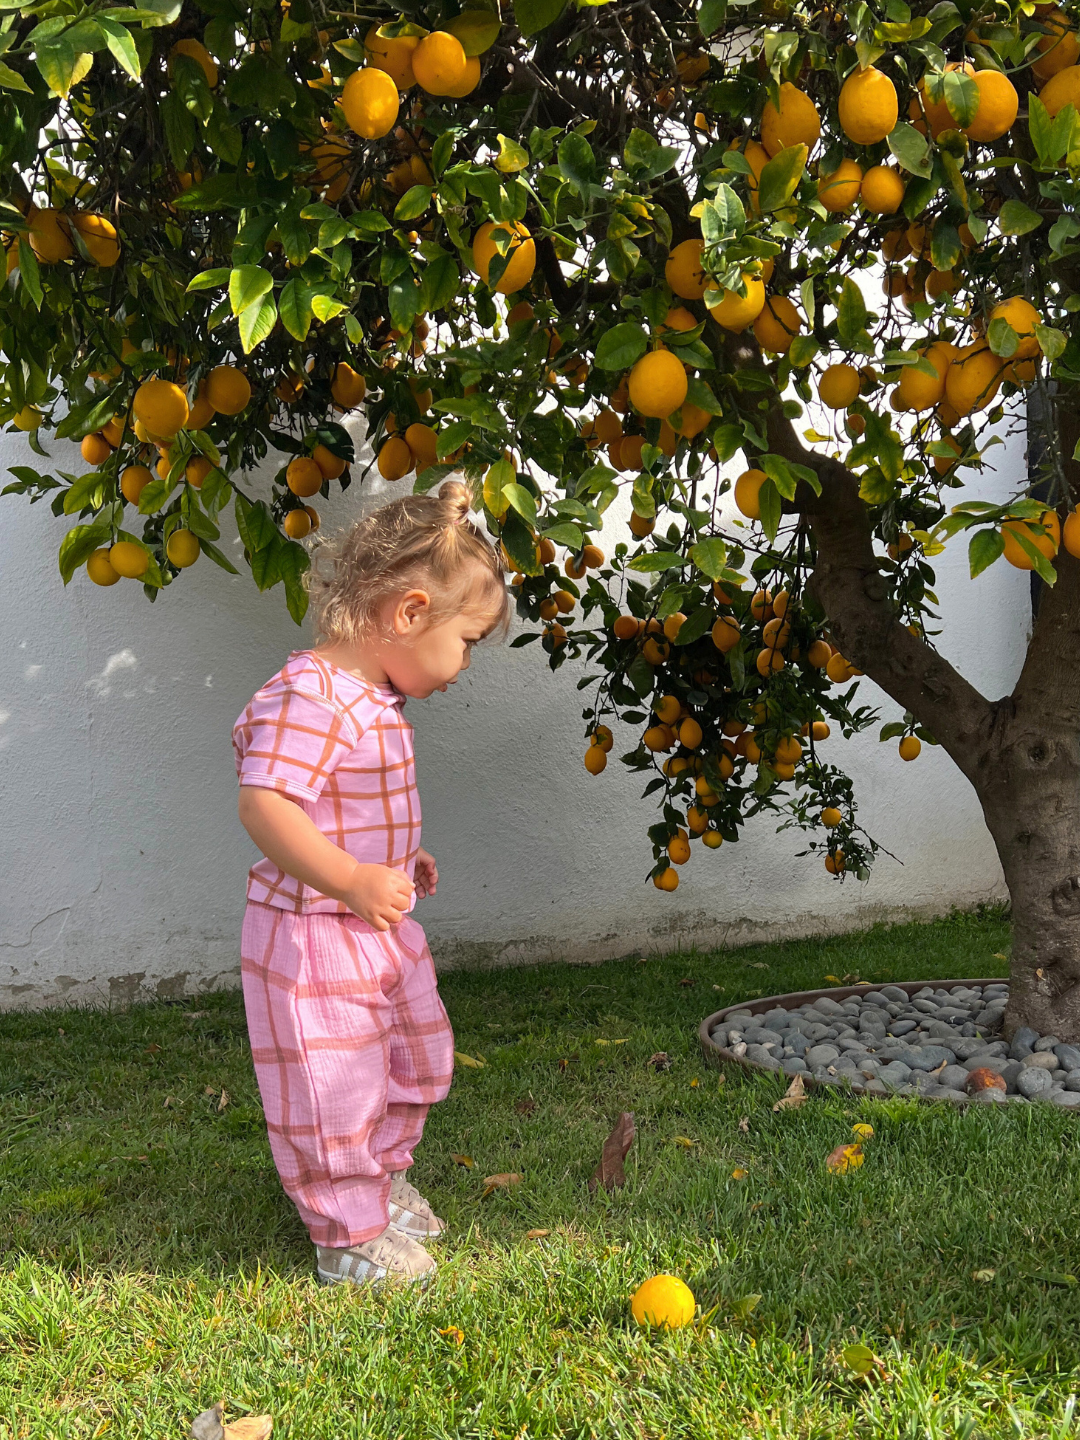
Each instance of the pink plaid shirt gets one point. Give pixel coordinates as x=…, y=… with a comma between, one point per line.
x=342, y=749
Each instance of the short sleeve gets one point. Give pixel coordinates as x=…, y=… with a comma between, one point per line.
x=292, y=741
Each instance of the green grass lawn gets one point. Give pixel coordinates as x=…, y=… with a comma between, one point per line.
x=150, y=1264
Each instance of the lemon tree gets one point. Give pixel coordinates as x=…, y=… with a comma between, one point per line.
x=771, y=276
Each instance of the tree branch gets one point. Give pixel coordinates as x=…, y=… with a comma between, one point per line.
x=851, y=589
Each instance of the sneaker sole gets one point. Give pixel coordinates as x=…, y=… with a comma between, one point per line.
x=415, y=1233
x=329, y=1278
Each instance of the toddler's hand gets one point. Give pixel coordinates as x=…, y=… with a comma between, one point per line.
x=378, y=895
x=426, y=873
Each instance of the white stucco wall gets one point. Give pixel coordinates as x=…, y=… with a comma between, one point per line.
x=125, y=865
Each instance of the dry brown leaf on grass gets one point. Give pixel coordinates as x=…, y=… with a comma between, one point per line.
x=152, y=1049
x=660, y=1061
x=527, y=1106
x=793, y=1096
x=744, y=1124
x=209, y=1426
x=225, y=1099
x=251, y=1427
x=536, y=1234
x=464, y=1160
x=844, y=1158
x=505, y=1181
x=610, y=1172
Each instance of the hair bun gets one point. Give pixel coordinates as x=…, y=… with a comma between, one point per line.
x=458, y=499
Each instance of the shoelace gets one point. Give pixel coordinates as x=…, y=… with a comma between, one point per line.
x=408, y=1196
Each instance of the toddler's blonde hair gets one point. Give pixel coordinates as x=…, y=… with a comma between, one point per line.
x=422, y=541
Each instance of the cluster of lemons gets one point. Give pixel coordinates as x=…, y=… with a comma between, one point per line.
x=674, y=726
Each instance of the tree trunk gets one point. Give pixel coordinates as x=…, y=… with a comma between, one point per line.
x=1030, y=795
x=1021, y=753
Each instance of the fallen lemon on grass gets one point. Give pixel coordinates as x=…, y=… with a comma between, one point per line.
x=663, y=1302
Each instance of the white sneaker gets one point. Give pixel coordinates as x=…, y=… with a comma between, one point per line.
x=393, y=1255
x=410, y=1212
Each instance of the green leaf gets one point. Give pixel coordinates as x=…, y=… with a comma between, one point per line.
x=722, y=216
x=11, y=79
x=413, y=203
x=640, y=675
x=218, y=558
x=180, y=132
x=517, y=538
x=850, y=311
x=1015, y=218
x=961, y=96
x=944, y=246
x=256, y=323
x=247, y=286
x=654, y=561
x=1051, y=342
x=695, y=626
x=892, y=730
x=29, y=274
x=710, y=556
x=79, y=544
x=711, y=15
x=87, y=490
x=210, y=279
x=293, y=561
x=859, y=1358
x=255, y=524
x=577, y=161
x=403, y=298
x=121, y=46
x=621, y=346
x=532, y=16
x=476, y=28
x=911, y=149
x=780, y=177
x=61, y=64
x=1039, y=129
x=439, y=283
x=1002, y=338
x=294, y=307
x=984, y=547
x=769, y=508
x=521, y=500
x=564, y=534
x=154, y=495
x=512, y=157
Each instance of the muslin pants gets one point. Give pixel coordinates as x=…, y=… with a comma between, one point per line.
x=351, y=1046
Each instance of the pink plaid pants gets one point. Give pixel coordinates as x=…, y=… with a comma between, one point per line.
x=351, y=1046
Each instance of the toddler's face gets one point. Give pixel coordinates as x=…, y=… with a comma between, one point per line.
x=436, y=653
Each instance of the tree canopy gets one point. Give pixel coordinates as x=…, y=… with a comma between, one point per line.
x=573, y=250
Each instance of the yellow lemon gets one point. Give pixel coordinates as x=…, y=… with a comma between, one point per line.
x=658, y=384
x=665, y=1301
x=735, y=311
x=882, y=190
x=840, y=190
x=370, y=102
x=521, y=257
x=796, y=122
x=868, y=106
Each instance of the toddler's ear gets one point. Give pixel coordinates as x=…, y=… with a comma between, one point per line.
x=411, y=610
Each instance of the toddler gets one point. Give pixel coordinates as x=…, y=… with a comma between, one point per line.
x=350, y=1040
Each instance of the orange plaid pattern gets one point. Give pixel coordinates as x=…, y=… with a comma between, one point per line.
x=342, y=749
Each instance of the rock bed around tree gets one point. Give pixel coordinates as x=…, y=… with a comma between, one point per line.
x=934, y=1043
